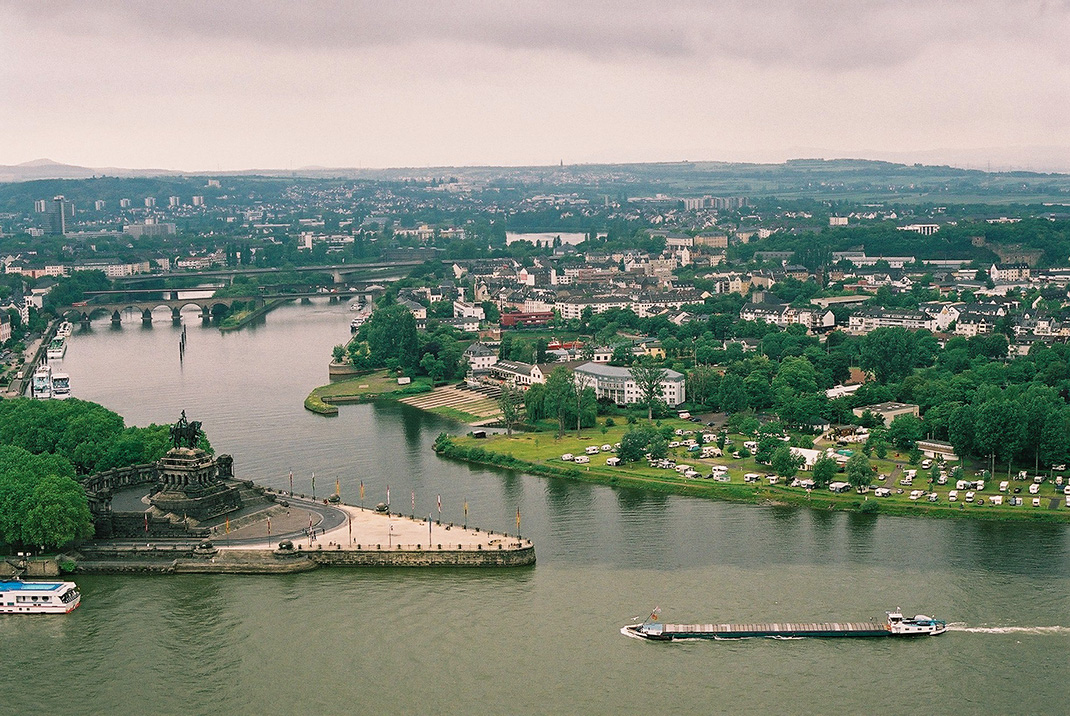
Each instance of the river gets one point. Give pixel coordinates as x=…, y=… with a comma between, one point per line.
x=535, y=640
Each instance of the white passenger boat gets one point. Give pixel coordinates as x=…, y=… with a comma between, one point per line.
x=41, y=383
x=65, y=329
x=56, y=349
x=19, y=597
x=61, y=386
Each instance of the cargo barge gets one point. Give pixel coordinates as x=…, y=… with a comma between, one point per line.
x=895, y=625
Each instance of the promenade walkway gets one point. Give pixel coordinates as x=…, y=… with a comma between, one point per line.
x=350, y=527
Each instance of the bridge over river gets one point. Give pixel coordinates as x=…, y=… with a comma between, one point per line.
x=208, y=306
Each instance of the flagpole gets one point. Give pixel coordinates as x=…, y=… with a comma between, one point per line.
x=351, y=530
x=362, y=495
x=291, y=483
x=269, y=532
x=466, y=513
x=313, y=487
x=428, y=530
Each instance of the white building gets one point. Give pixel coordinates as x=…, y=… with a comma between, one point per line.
x=923, y=229
x=480, y=356
x=616, y=383
x=462, y=309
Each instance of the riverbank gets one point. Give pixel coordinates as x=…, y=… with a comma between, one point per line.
x=540, y=454
x=379, y=385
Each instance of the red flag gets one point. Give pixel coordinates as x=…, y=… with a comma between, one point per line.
x=440, y=505
x=146, y=521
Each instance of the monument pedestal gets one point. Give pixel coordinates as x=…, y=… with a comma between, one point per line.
x=189, y=486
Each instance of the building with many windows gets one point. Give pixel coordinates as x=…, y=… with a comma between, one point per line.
x=616, y=383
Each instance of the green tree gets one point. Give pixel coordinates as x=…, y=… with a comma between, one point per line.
x=559, y=397
x=732, y=397
x=905, y=431
x=824, y=471
x=391, y=335
x=510, y=402
x=785, y=462
x=859, y=472
x=633, y=444
x=648, y=378
x=703, y=384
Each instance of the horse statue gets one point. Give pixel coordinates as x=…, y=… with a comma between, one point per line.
x=185, y=433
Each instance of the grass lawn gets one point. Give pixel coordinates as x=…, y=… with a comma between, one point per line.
x=544, y=450
x=380, y=384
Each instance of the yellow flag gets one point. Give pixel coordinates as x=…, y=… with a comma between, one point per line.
x=227, y=528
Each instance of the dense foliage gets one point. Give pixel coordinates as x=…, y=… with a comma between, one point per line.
x=44, y=446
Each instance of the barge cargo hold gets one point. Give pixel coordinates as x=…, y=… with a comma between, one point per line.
x=896, y=625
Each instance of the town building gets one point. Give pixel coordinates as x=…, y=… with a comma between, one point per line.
x=617, y=384
x=480, y=356
x=888, y=411
x=1008, y=273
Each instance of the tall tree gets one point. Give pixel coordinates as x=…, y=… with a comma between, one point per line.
x=559, y=397
x=510, y=402
x=648, y=378
x=859, y=472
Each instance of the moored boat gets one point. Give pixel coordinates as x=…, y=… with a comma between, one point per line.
x=61, y=386
x=894, y=625
x=56, y=349
x=65, y=329
x=19, y=597
x=41, y=383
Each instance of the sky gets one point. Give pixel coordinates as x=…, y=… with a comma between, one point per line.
x=238, y=84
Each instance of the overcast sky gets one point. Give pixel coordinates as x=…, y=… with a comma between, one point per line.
x=201, y=85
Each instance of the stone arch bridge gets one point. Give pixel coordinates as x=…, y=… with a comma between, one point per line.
x=207, y=306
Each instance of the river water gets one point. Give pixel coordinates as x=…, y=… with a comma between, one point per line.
x=534, y=640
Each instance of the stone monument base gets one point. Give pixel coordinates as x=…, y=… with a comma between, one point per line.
x=200, y=504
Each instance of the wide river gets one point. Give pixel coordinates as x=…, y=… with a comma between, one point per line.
x=543, y=639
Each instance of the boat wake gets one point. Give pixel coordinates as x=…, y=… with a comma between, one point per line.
x=961, y=626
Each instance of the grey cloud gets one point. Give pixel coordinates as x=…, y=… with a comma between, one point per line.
x=828, y=34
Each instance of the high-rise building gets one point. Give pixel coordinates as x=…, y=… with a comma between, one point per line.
x=98, y=205
x=173, y=201
x=150, y=201
x=40, y=206
x=198, y=201
x=124, y=203
x=58, y=213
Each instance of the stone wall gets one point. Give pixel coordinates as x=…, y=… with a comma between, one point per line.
x=424, y=558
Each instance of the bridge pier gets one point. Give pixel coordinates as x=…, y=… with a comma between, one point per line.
x=176, y=316
x=116, y=318
x=337, y=276
x=84, y=319
x=206, y=314
x=146, y=316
